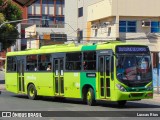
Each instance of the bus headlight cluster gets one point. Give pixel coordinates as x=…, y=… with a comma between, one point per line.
x=150, y=87
x=121, y=88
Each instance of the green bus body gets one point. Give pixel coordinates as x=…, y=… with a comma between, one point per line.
x=60, y=82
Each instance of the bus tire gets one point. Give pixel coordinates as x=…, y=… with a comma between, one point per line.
x=90, y=97
x=121, y=103
x=32, y=92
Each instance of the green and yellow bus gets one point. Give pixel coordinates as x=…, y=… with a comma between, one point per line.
x=111, y=71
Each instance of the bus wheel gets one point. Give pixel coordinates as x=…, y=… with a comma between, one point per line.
x=122, y=103
x=32, y=92
x=90, y=97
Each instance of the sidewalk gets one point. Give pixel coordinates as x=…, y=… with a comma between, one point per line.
x=156, y=98
x=2, y=87
x=2, y=82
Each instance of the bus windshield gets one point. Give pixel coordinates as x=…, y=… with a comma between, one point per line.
x=131, y=67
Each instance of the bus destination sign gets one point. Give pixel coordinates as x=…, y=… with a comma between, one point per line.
x=132, y=49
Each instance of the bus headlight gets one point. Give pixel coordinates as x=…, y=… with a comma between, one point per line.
x=150, y=87
x=121, y=88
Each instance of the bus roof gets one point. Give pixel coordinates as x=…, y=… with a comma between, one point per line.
x=70, y=48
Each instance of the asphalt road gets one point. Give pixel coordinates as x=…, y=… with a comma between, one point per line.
x=13, y=102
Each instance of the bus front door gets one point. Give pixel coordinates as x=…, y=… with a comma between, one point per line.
x=20, y=72
x=104, y=76
x=59, y=76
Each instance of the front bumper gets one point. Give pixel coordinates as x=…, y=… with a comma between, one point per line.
x=129, y=96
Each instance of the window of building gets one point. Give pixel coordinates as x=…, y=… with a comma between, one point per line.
x=50, y=2
x=31, y=63
x=155, y=27
x=11, y=64
x=80, y=12
x=43, y=62
x=37, y=9
x=58, y=2
x=44, y=1
x=59, y=20
x=45, y=21
x=38, y=1
x=89, y=60
x=127, y=26
x=81, y=34
x=95, y=32
x=73, y=61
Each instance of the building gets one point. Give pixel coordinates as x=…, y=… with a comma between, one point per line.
x=125, y=20
x=48, y=18
x=76, y=18
x=47, y=15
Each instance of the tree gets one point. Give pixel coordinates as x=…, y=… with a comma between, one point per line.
x=9, y=32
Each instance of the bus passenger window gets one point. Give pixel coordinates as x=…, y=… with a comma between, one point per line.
x=43, y=62
x=11, y=64
x=89, y=60
x=31, y=63
x=73, y=61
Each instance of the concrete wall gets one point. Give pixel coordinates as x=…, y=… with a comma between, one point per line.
x=107, y=8
x=99, y=10
x=136, y=7
x=72, y=19
x=71, y=14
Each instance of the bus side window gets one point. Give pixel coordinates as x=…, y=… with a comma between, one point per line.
x=73, y=61
x=31, y=63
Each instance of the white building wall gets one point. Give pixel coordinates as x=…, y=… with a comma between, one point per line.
x=71, y=20
x=104, y=31
x=107, y=8
x=99, y=10
x=71, y=16
x=136, y=7
x=42, y=31
x=82, y=21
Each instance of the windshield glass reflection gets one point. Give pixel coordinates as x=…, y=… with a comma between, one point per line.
x=134, y=67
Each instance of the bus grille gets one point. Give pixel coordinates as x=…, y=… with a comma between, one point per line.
x=135, y=90
x=136, y=94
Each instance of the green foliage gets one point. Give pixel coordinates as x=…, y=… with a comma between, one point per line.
x=12, y=12
x=9, y=32
x=1, y=18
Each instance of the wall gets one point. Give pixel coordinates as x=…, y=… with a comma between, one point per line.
x=71, y=14
x=72, y=19
x=107, y=8
x=136, y=7
x=99, y=10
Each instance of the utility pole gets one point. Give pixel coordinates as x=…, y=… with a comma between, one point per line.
x=78, y=35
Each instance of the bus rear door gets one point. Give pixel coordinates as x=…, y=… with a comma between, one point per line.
x=20, y=72
x=58, y=76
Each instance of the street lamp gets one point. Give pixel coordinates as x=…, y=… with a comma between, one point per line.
x=14, y=21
